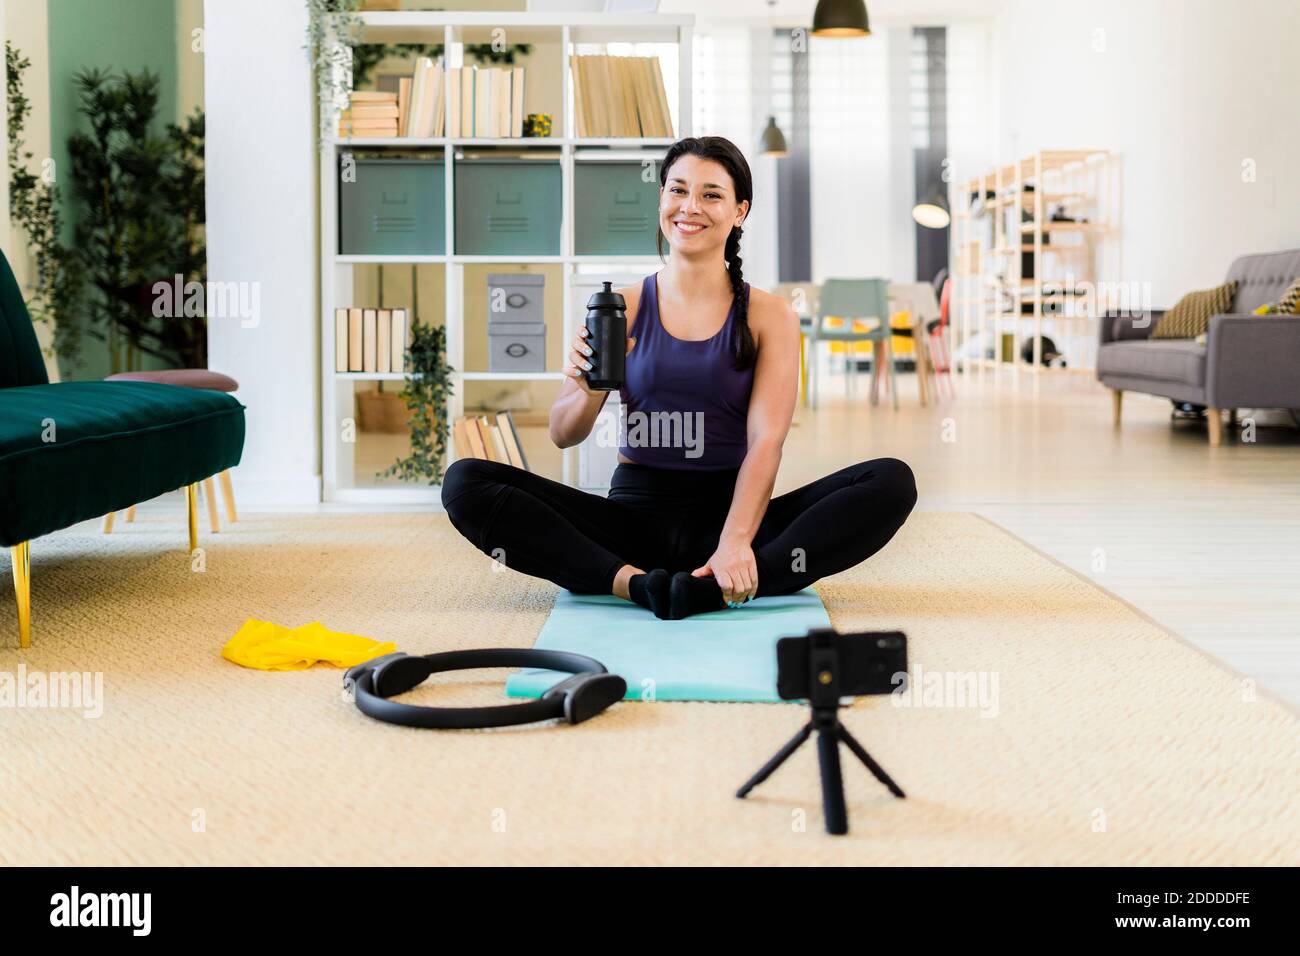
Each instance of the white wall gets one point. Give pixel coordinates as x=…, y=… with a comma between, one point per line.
x=1187, y=91
x=261, y=206
x=852, y=170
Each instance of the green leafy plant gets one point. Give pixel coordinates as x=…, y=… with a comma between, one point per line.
x=367, y=56
x=35, y=204
x=333, y=29
x=428, y=384
x=487, y=53
x=140, y=218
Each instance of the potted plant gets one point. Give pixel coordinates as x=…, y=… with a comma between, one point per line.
x=428, y=383
x=140, y=204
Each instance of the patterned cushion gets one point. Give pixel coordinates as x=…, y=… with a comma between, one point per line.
x=1191, y=316
x=1290, y=301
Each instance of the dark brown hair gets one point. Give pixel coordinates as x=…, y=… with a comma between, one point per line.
x=725, y=154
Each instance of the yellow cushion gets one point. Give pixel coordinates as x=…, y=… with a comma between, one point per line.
x=1191, y=315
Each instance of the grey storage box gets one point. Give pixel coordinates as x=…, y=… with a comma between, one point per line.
x=516, y=323
x=507, y=207
x=395, y=207
x=616, y=212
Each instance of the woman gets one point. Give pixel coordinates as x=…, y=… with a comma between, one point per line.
x=689, y=525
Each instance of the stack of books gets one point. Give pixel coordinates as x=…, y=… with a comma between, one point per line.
x=421, y=104
x=417, y=109
x=370, y=340
x=491, y=101
x=369, y=114
x=620, y=96
x=495, y=439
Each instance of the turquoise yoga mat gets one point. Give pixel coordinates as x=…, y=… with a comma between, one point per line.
x=727, y=655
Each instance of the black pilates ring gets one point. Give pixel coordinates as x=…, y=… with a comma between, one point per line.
x=590, y=690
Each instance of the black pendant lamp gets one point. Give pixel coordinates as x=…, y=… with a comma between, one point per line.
x=772, y=142
x=840, y=18
x=932, y=211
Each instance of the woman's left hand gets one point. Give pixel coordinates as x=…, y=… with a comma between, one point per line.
x=734, y=568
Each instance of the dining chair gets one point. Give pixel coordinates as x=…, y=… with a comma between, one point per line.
x=850, y=300
x=925, y=317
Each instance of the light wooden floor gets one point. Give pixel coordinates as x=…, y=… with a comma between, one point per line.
x=1206, y=541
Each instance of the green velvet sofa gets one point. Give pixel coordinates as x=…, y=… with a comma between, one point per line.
x=77, y=450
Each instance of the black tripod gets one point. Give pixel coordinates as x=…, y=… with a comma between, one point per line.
x=826, y=721
x=822, y=667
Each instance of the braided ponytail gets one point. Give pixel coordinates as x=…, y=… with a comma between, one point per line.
x=724, y=152
x=742, y=339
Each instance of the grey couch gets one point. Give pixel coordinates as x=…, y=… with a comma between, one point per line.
x=1249, y=361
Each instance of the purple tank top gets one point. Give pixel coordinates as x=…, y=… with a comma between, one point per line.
x=686, y=405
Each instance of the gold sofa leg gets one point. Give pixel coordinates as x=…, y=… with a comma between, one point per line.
x=210, y=494
x=1214, y=422
x=108, y=518
x=1117, y=401
x=192, y=507
x=228, y=492
x=22, y=558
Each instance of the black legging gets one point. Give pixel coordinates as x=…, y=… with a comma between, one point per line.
x=672, y=519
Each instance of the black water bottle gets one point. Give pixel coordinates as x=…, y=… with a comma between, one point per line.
x=607, y=335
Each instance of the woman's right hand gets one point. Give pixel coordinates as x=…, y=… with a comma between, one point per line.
x=581, y=358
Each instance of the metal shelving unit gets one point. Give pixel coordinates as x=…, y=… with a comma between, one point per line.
x=570, y=31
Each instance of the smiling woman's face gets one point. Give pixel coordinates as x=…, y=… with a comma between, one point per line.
x=697, y=206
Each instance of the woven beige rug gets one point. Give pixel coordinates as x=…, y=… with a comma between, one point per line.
x=1086, y=733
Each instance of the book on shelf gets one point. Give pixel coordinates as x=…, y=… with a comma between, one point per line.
x=370, y=340
x=493, y=438
x=514, y=448
x=454, y=96
x=383, y=341
x=399, y=339
x=482, y=115
x=340, y=340
x=403, y=101
x=370, y=328
x=354, y=341
x=488, y=439
x=491, y=102
x=517, y=101
x=619, y=96
x=466, y=118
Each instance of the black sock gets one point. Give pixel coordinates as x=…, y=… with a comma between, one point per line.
x=690, y=595
x=650, y=590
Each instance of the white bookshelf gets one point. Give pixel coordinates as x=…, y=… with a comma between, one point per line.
x=343, y=479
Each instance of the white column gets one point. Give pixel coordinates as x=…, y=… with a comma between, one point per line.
x=262, y=233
